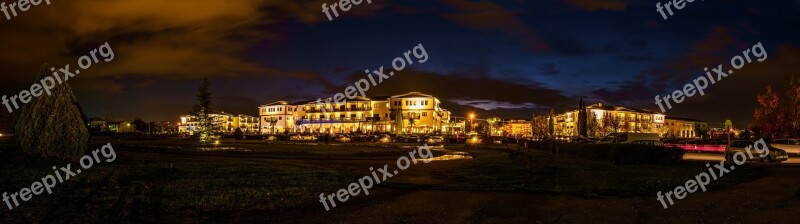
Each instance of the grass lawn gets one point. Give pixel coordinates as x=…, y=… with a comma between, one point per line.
x=250, y=181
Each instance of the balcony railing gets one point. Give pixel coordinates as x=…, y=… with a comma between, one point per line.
x=339, y=110
x=335, y=120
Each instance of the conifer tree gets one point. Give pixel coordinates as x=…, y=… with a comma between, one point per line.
x=53, y=125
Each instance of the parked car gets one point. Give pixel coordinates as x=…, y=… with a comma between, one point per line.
x=457, y=138
x=363, y=138
x=309, y=137
x=473, y=138
x=412, y=139
x=775, y=154
x=497, y=140
x=648, y=143
x=791, y=146
x=295, y=137
x=628, y=137
x=342, y=138
x=435, y=139
x=399, y=138
x=384, y=139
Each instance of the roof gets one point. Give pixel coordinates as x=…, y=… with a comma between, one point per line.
x=281, y=102
x=381, y=98
x=412, y=95
x=613, y=108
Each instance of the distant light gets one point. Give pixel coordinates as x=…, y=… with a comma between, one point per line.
x=216, y=142
x=1, y=135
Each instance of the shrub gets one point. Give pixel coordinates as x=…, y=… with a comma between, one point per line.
x=53, y=125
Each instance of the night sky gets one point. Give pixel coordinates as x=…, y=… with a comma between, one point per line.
x=500, y=58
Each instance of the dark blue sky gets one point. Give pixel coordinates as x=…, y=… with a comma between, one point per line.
x=514, y=57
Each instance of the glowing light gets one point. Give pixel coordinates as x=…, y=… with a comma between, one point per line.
x=216, y=142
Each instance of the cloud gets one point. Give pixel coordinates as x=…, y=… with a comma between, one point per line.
x=151, y=38
x=596, y=5
x=488, y=15
x=469, y=90
x=492, y=105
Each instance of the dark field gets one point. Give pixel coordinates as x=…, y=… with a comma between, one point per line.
x=178, y=181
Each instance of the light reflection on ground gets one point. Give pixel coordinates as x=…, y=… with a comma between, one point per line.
x=449, y=154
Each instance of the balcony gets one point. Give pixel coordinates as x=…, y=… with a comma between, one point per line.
x=333, y=120
x=363, y=109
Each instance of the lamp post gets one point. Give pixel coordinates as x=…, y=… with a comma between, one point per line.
x=471, y=121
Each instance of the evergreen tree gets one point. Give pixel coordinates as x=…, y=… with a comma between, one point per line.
x=551, y=123
x=582, y=119
x=238, y=134
x=202, y=110
x=53, y=125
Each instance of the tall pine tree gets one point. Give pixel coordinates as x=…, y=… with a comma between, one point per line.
x=202, y=110
x=53, y=125
x=582, y=119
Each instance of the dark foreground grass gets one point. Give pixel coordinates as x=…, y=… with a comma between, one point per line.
x=141, y=187
x=166, y=181
x=495, y=169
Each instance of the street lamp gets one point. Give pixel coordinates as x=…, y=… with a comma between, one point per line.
x=471, y=118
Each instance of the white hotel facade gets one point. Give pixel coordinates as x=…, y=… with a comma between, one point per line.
x=412, y=112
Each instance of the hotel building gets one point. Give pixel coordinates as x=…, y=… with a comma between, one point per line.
x=518, y=128
x=221, y=123
x=686, y=128
x=604, y=119
x=407, y=113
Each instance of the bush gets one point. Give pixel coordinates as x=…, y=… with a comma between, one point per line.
x=238, y=134
x=618, y=153
x=53, y=125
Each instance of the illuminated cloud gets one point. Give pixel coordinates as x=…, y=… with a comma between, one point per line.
x=152, y=38
x=493, y=105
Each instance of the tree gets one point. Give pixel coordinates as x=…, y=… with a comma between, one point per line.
x=793, y=106
x=139, y=125
x=53, y=125
x=551, y=123
x=238, y=134
x=592, y=126
x=582, y=119
x=539, y=126
x=202, y=111
x=611, y=123
x=483, y=128
x=769, y=116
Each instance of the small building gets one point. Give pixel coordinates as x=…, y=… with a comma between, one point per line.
x=678, y=127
